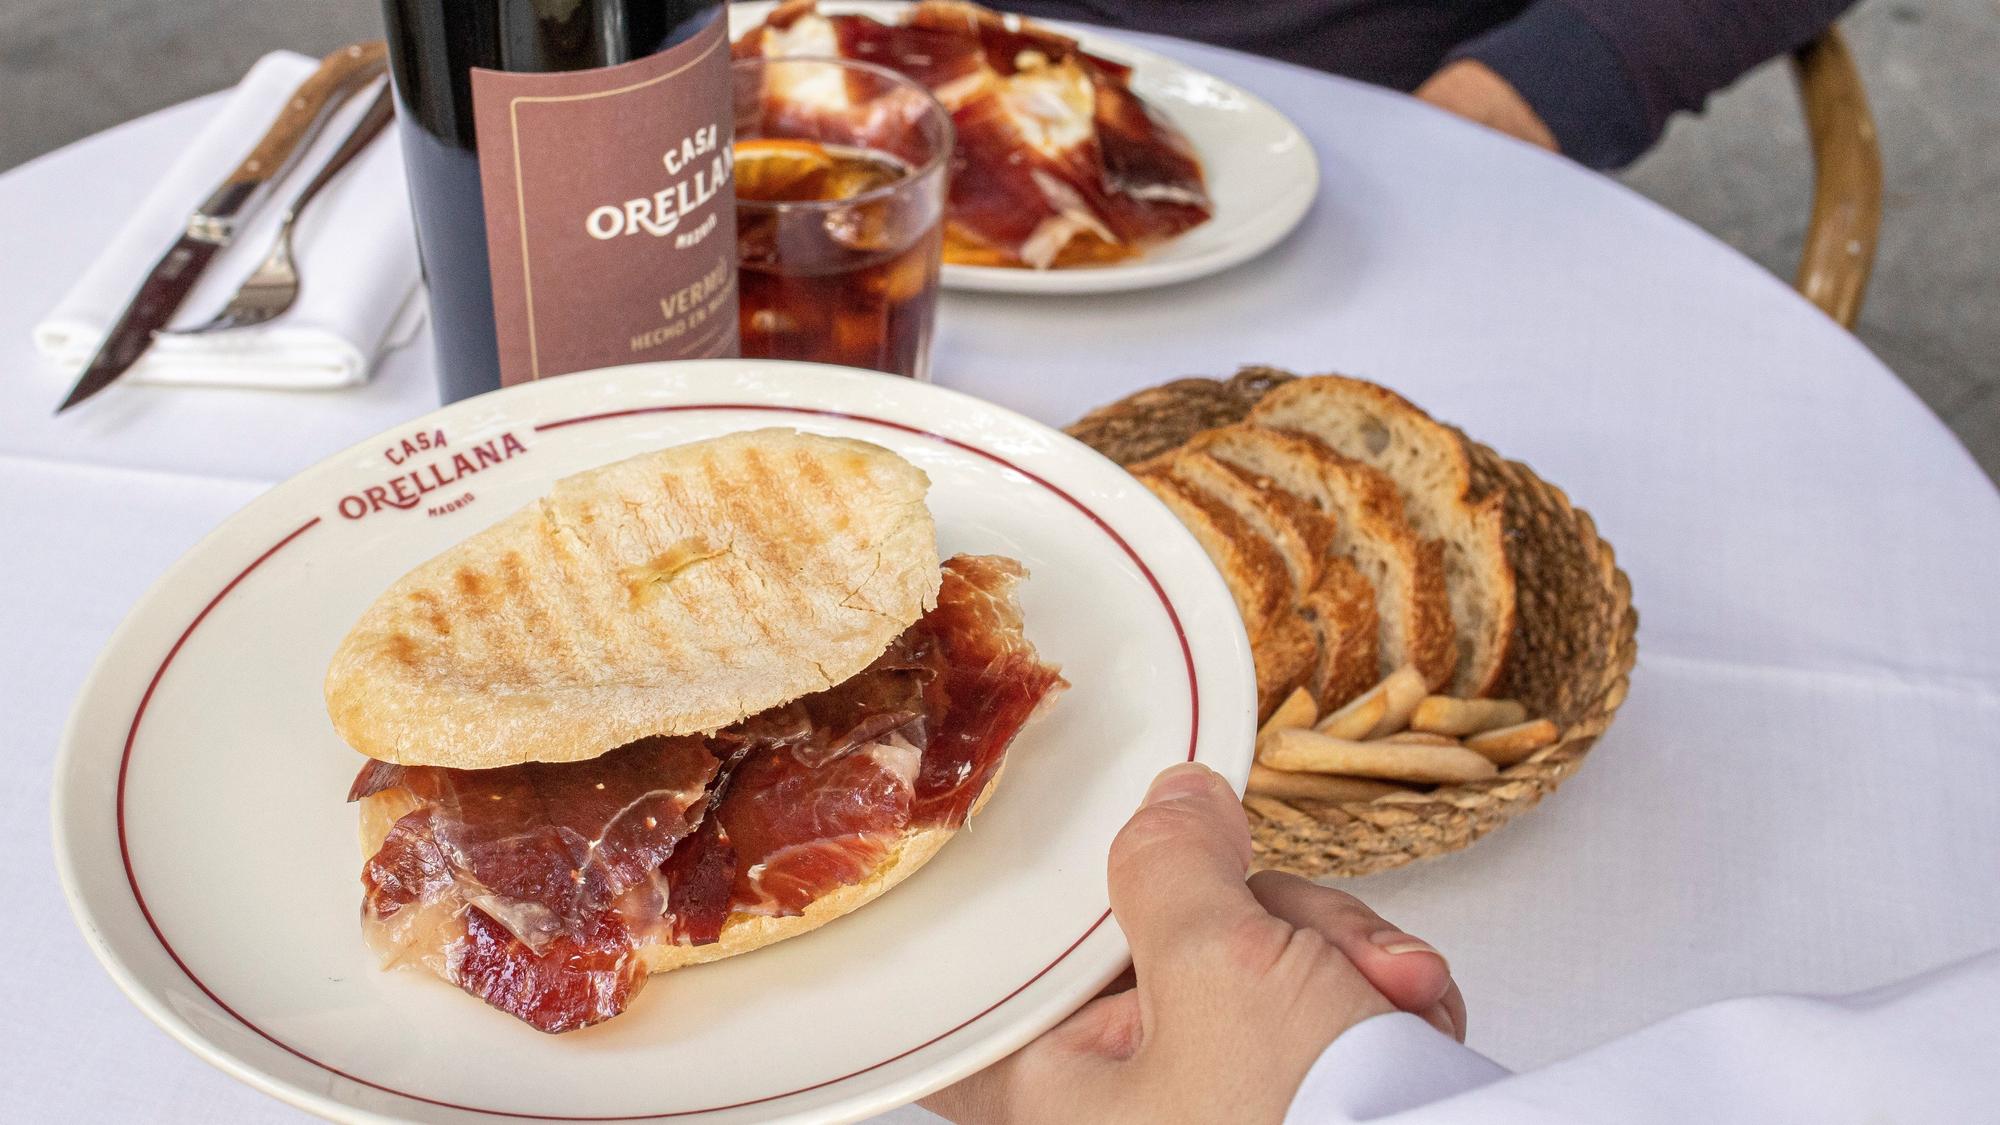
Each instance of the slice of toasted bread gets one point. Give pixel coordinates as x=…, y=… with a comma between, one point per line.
x=1287, y=650
x=1428, y=463
x=1341, y=610
x=1286, y=657
x=1250, y=566
x=1157, y=420
x=1406, y=571
x=1242, y=543
x=1299, y=533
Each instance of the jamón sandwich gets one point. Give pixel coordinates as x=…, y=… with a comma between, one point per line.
x=687, y=705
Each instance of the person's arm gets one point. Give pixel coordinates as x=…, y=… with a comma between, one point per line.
x=1602, y=76
x=1922, y=1050
x=1268, y=997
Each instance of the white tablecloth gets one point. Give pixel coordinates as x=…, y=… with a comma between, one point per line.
x=1798, y=796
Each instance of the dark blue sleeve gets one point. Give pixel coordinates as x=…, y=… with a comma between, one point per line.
x=1606, y=74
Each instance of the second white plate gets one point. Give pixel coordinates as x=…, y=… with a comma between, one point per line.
x=1262, y=172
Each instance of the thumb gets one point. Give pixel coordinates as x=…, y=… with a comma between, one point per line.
x=1177, y=868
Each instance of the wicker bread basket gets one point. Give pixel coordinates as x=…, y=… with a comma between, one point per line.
x=1574, y=646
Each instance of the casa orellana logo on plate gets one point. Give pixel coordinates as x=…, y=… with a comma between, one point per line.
x=429, y=472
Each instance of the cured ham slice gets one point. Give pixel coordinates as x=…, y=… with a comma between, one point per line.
x=1057, y=162
x=538, y=887
x=510, y=882
x=927, y=726
x=799, y=831
x=543, y=849
x=989, y=682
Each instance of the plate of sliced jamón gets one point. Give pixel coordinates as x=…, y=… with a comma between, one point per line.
x=1440, y=636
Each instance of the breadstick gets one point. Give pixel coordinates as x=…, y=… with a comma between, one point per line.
x=1309, y=751
x=1273, y=809
x=1441, y=714
x=1298, y=710
x=1509, y=745
x=1382, y=709
x=1358, y=717
x=1419, y=738
x=1268, y=782
x=1404, y=689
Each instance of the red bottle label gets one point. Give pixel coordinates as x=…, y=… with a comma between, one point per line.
x=611, y=210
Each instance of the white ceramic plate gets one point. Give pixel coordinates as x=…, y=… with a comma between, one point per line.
x=1262, y=172
x=212, y=864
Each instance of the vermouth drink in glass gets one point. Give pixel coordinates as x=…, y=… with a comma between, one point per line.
x=840, y=182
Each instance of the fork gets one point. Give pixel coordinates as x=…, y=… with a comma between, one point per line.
x=274, y=284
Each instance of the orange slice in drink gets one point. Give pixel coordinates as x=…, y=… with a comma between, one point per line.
x=777, y=170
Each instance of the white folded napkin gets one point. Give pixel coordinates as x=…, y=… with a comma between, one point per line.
x=354, y=248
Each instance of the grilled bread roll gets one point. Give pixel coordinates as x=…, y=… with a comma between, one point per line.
x=689, y=704
x=671, y=593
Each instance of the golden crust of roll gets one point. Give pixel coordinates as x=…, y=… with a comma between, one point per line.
x=671, y=593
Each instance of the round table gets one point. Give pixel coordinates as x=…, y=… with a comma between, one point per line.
x=1795, y=798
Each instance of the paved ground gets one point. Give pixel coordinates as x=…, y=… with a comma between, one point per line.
x=1742, y=170
x=1933, y=310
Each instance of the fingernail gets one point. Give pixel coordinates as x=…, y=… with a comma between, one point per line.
x=1185, y=780
x=1438, y=1017
x=1396, y=941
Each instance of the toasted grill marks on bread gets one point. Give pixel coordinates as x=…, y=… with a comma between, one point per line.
x=671, y=593
x=1428, y=463
x=1406, y=571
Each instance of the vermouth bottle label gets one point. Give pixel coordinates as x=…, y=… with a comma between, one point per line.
x=611, y=210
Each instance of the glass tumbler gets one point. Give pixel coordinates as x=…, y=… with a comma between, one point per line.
x=840, y=187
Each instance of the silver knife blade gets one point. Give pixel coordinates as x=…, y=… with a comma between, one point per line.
x=165, y=288
x=212, y=226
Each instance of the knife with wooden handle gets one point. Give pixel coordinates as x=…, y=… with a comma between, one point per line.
x=214, y=224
